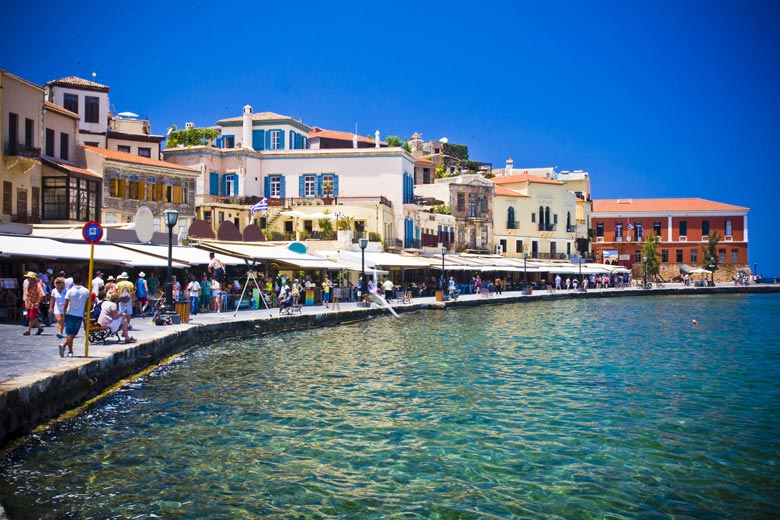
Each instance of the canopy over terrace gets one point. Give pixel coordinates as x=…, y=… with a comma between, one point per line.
x=282, y=255
x=182, y=254
x=482, y=263
x=47, y=248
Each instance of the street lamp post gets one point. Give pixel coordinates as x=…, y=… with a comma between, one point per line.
x=363, y=242
x=644, y=279
x=525, y=272
x=443, y=273
x=170, y=217
x=712, y=274
x=580, y=259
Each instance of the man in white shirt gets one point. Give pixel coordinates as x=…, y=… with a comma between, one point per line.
x=75, y=302
x=97, y=282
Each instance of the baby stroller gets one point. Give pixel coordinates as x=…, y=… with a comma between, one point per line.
x=453, y=292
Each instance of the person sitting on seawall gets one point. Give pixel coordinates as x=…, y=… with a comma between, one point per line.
x=110, y=317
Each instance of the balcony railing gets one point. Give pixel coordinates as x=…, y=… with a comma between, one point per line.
x=571, y=228
x=512, y=225
x=22, y=150
x=547, y=227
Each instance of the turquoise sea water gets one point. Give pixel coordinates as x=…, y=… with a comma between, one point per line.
x=611, y=408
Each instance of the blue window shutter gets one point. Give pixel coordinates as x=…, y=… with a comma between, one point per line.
x=223, y=188
x=268, y=140
x=258, y=139
x=301, y=193
x=235, y=184
x=218, y=142
x=213, y=183
x=335, y=185
x=293, y=135
x=281, y=140
x=319, y=185
x=267, y=187
x=281, y=186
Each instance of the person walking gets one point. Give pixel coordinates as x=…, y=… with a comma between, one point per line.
x=141, y=293
x=326, y=292
x=33, y=295
x=216, y=296
x=193, y=290
x=75, y=302
x=58, y=305
x=125, y=290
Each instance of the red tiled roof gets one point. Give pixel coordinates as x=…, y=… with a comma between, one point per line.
x=513, y=179
x=115, y=155
x=423, y=160
x=503, y=190
x=72, y=168
x=661, y=205
x=334, y=134
x=61, y=110
x=74, y=81
x=257, y=116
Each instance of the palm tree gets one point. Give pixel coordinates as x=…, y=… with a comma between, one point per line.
x=344, y=222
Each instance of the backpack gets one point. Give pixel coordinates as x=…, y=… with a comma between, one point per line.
x=124, y=296
x=95, y=314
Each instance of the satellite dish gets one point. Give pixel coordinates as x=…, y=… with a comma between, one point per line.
x=144, y=224
x=444, y=140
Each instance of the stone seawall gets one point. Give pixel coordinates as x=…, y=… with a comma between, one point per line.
x=37, y=398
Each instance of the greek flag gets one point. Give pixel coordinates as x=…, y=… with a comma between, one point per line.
x=630, y=226
x=261, y=205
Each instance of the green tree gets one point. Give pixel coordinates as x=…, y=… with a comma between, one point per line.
x=649, y=252
x=326, y=228
x=190, y=137
x=710, y=250
x=441, y=170
x=395, y=141
x=344, y=222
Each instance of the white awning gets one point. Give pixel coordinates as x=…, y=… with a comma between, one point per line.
x=269, y=253
x=36, y=247
x=184, y=254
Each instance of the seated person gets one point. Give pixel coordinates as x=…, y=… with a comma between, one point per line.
x=111, y=319
x=286, y=301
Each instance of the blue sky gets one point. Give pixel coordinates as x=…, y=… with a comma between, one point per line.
x=654, y=99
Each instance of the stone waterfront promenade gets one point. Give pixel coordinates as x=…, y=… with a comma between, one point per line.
x=37, y=385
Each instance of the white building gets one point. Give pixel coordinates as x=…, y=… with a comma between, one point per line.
x=268, y=155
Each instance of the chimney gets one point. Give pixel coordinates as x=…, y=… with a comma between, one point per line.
x=510, y=164
x=376, y=135
x=247, y=127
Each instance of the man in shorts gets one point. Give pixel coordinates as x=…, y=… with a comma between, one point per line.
x=75, y=302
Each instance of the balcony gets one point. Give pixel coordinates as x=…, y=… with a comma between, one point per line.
x=22, y=150
x=571, y=228
x=512, y=225
x=547, y=227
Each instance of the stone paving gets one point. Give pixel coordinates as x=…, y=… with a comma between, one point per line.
x=26, y=358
